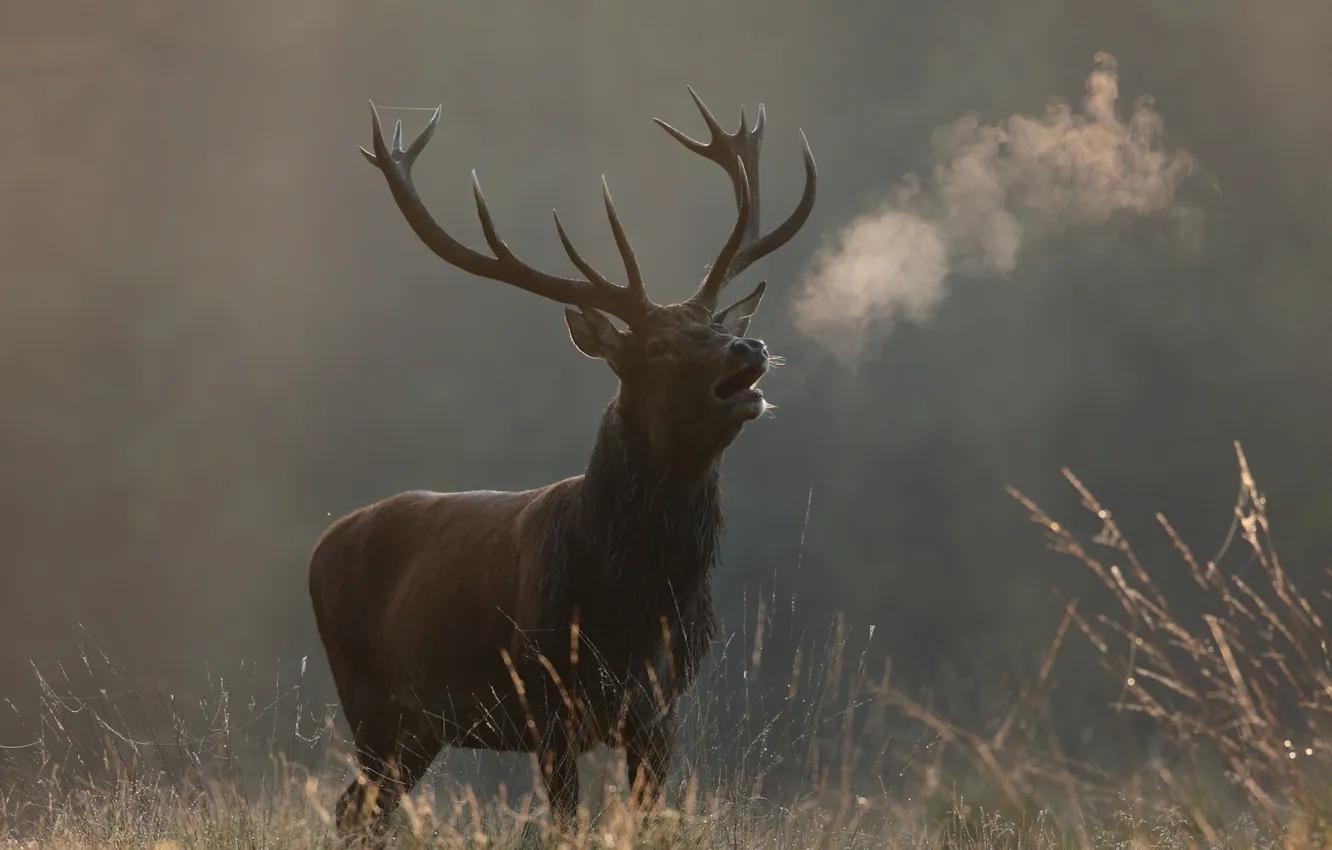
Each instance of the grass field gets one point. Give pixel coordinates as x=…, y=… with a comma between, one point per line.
x=828, y=754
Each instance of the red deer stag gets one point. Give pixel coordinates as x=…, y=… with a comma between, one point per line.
x=536, y=621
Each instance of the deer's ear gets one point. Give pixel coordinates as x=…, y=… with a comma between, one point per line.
x=594, y=335
x=736, y=317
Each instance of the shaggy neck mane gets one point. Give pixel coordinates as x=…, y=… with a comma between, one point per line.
x=658, y=518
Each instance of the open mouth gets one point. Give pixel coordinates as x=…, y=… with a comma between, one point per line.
x=740, y=385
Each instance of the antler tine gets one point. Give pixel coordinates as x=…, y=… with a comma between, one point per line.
x=628, y=303
x=738, y=154
x=635, y=277
x=577, y=259
x=741, y=232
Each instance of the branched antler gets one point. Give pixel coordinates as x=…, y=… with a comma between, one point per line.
x=738, y=154
x=629, y=303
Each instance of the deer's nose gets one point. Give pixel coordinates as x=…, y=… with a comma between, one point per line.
x=748, y=350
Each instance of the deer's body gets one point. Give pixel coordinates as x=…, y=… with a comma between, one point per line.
x=369, y=576
x=415, y=596
x=555, y=619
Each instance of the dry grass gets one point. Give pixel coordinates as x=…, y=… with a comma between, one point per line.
x=1234, y=680
x=296, y=815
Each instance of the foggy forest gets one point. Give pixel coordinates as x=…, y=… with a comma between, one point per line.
x=1056, y=361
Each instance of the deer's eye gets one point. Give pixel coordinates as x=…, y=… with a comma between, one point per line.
x=657, y=349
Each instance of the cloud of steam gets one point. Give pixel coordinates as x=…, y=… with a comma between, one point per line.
x=992, y=187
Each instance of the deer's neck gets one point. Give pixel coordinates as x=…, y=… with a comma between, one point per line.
x=657, y=519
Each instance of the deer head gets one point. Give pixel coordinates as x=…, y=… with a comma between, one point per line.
x=687, y=371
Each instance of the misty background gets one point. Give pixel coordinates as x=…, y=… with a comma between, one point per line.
x=218, y=334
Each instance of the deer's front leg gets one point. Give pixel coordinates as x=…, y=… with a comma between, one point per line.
x=649, y=744
x=556, y=745
x=559, y=773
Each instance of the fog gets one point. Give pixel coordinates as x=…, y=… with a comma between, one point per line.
x=992, y=188
x=218, y=333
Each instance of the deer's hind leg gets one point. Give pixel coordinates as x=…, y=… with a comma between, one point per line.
x=394, y=749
